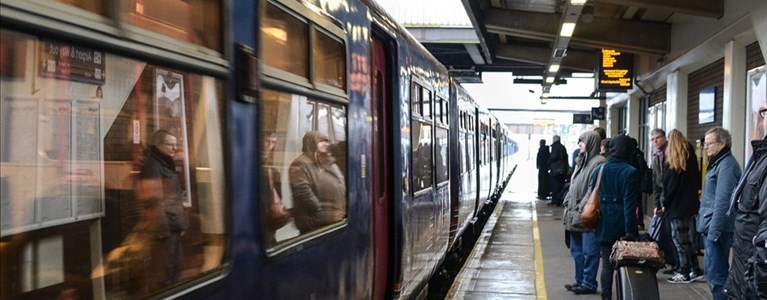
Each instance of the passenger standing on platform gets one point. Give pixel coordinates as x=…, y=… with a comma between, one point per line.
x=542, y=163
x=681, y=182
x=583, y=244
x=604, y=147
x=658, y=138
x=748, y=276
x=558, y=169
x=713, y=223
x=618, y=197
x=602, y=132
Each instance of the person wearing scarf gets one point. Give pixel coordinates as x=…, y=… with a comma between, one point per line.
x=713, y=223
x=584, y=247
x=317, y=184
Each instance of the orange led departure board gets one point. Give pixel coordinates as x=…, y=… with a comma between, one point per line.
x=616, y=70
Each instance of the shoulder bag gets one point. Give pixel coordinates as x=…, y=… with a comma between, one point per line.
x=590, y=212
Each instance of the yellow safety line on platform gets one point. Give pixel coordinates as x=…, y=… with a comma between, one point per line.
x=540, y=279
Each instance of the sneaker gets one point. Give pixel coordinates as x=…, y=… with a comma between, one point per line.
x=694, y=276
x=679, y=278
x=570, y=287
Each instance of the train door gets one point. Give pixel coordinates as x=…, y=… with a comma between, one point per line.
x=381, y=170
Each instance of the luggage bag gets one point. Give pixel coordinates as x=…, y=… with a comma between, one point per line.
x=636, y=282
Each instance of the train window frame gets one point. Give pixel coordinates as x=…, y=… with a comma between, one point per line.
x=421, y=89
x=317, y=21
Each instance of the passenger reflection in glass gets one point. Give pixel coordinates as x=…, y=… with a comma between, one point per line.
x=318, y=187
x=274, y=214
x=159, y=188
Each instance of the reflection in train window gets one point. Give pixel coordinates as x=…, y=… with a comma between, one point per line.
x=329, y=60
x=440, y=157
x=111, y=180
x=284, y=41
x=303, y=185
x=422, y=155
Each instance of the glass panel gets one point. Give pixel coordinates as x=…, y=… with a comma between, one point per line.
x=285, y=40
x=415, y=99
x=193, y=21
x=307, y=190
x=422, y=156
x=426, y=100
x=114, y=182
x=462, y=144
x=329, y=61
x=441, y=157
x=96, y=6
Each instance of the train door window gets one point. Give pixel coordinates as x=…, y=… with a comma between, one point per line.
x=303, y=187
x=416, y=105
x=285, y=39
x=426, y=103
x=111, y=177
x=421, y=138
x=441, y=158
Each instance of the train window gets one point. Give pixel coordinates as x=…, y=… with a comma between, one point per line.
x=197, y=22
x=426, y=99
x=303, y=185
x=445, y=112
x=462, y=151
x=111, y=173
x=329, y=60
x=415, y=99
x=422, y=155
x=285, y=41
x=441, y=158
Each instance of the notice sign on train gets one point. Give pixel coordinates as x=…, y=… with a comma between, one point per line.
x=69, y=62
x=616, y=70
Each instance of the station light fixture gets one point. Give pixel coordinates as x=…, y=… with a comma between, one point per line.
x=550, y=79
x=567, y=29
x=577, y=2
x=554, y=68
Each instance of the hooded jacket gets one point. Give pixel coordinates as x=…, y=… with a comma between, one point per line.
x=318, y=186
x=579, y=182
x=618, y=193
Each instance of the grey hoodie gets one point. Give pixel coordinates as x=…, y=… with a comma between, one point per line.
x=579, y=183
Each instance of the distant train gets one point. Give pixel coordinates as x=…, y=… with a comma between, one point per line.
x=274, y=149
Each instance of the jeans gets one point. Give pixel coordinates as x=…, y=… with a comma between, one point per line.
x=606, y=277
x=717, y=263
x=585, y=251
x=681, y=233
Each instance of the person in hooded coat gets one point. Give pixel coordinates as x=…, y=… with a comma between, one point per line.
x=583, y=244
x=617, y=202
x=542, y=163
x=317, y=184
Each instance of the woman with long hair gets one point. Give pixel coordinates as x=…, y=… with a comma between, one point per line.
x=681, y=182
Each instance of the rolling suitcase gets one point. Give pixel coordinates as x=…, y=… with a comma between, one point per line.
x=636, y=282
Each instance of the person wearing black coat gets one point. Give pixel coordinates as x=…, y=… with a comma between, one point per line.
x=558, y=169
x=681, y=182
x=542, y=163
x=748, y=272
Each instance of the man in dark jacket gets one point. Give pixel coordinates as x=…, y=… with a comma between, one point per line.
x=748, y=273
x=658, y=137
x=558, y=168
x=159, y=188
x=542, y=163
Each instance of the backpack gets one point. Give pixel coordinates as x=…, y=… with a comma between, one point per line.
x=645, y=174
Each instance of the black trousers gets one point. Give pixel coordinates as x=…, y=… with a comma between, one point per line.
x=543, y=184
x=557, y=181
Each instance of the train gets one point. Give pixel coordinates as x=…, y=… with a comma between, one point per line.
x=268, y=149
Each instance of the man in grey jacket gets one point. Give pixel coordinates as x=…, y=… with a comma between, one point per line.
x=713, y=223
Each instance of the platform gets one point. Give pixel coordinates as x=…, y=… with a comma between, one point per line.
x=521, y=253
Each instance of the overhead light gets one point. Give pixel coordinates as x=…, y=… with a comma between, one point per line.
x=545, y=95
x=550, y=79
x=554, y=68
x=567, y=29
x=577, y=2
x=582, y=75
x=544, y=100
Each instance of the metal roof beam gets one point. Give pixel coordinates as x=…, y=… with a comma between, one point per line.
x=575, y=59
x=702, y=8
x=631, y=36
x=530, y=25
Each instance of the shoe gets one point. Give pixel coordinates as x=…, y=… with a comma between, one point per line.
x=582, y=290
x=679, y=278
x=695, y=276
x=570, y=287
